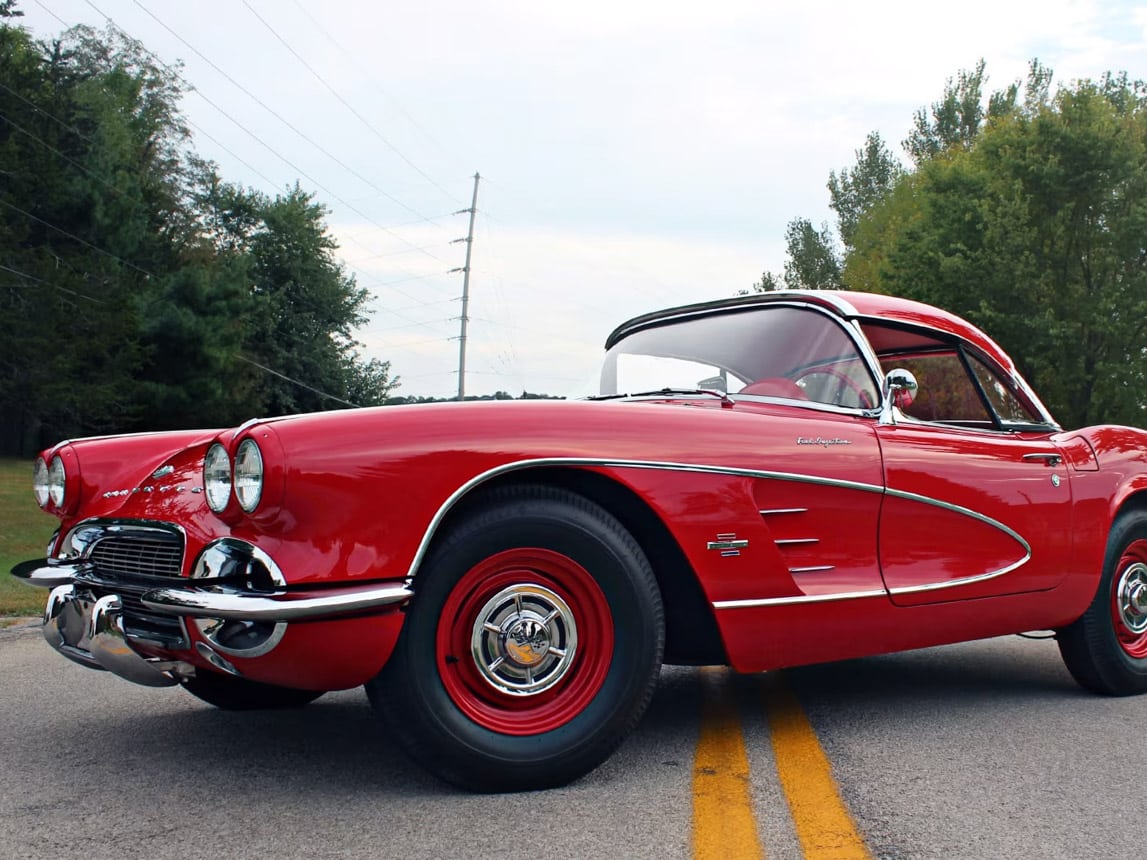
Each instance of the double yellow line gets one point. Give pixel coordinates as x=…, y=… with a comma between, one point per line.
x=724, y=825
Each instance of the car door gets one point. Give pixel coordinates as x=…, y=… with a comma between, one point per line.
x=973, y=507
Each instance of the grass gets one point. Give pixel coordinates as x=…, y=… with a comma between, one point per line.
x=24, y=533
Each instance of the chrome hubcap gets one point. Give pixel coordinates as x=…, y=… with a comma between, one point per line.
x=1132, y=593
x=524, y=640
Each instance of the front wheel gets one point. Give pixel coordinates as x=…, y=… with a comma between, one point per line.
x=531, y=647
x=1106, y=649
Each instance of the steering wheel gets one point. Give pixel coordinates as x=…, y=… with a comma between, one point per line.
x=863, y=396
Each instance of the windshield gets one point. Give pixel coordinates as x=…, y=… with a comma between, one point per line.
x=779, y=351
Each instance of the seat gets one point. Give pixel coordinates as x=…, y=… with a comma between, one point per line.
x=776, y=386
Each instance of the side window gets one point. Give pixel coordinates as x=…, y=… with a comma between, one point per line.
x=946, y=392
x=1003, y=401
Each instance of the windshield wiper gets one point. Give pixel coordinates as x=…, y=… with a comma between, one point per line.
x=720, y=395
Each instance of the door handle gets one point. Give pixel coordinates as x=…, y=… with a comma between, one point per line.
x=1048, y=459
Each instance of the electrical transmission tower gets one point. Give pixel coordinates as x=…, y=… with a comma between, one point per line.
x=469, y=240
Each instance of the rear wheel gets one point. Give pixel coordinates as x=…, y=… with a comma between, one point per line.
x=238, y=694
x=1106, y=649
x=531, y=647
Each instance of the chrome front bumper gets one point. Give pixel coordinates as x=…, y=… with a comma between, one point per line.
x=236, y=598
x=214, y=601
x=91, y=633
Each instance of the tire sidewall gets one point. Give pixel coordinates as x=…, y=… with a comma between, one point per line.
x=626, y=583
x=1128, y=528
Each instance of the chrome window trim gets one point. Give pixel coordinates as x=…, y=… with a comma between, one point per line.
x=801, y=298
x=843, y=319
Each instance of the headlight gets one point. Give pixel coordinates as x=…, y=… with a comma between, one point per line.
x=248, y=475
x=217, y=477
x=40, y=482
x=56, y=481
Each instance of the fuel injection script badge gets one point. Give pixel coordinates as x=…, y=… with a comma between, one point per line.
x=824, y=443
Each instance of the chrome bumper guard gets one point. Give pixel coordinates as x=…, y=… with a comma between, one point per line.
x=91, y=633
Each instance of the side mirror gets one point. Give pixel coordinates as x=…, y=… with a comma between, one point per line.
x=900, y=388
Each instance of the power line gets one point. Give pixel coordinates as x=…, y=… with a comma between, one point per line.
x=297, y=382
x=367, y=76
x=344, y=102
x=53, y=149
x=259, y=140
x=52, y=284
x=283, y=120
x=35, y=107
x=53, y=14
x=83, y=242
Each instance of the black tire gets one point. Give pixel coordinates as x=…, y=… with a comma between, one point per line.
x=1106, y=648
x=238, y=694
x=486, y=721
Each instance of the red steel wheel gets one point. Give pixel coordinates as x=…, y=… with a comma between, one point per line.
x=512, y=671
x=1129, y=600
x=524, y=641
x=1105, y=649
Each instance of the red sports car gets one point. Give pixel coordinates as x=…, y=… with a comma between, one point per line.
x=761, y=482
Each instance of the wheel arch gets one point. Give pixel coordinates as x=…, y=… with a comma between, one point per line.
x=1136, y=500
x=692, y=636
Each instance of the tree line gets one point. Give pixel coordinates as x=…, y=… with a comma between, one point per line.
x=1024, y=211
x=138, y=288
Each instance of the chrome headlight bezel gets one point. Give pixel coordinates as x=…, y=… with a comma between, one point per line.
x=57, y=481
x=40, y=482
x=248, y=475
x=217, y=477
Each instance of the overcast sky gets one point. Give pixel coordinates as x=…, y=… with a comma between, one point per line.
x=634, y=155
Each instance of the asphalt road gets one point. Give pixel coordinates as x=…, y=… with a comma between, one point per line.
x=985, y=750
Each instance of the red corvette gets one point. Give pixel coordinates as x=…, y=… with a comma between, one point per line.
x=761, y=482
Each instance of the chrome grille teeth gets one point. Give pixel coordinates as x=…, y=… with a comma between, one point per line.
x=137, y=555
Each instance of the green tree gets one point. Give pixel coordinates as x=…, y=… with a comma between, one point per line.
x=1035, y=234
x=812, y=262
x=855, y=190
x=953, y=121
x=305, y=311
x=138, y=289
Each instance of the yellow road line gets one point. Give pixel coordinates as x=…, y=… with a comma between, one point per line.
x=724, y=827
x=824, y=827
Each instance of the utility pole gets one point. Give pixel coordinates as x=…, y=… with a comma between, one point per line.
x=469, y=240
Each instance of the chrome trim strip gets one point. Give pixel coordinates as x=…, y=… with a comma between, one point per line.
x=796, y=541
x=246, y=425
x=968, y=512
x=769, y=511
x=279, y=606
x=953, y=583
x=803, y=598
x=454, y=497
x=812, y=569
x=852, y=595
x=539, y=462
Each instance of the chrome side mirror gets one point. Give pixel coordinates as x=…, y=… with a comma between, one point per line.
x=899, y=390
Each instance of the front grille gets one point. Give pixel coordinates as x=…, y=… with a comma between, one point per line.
x=151, y=554
x=129, y=559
